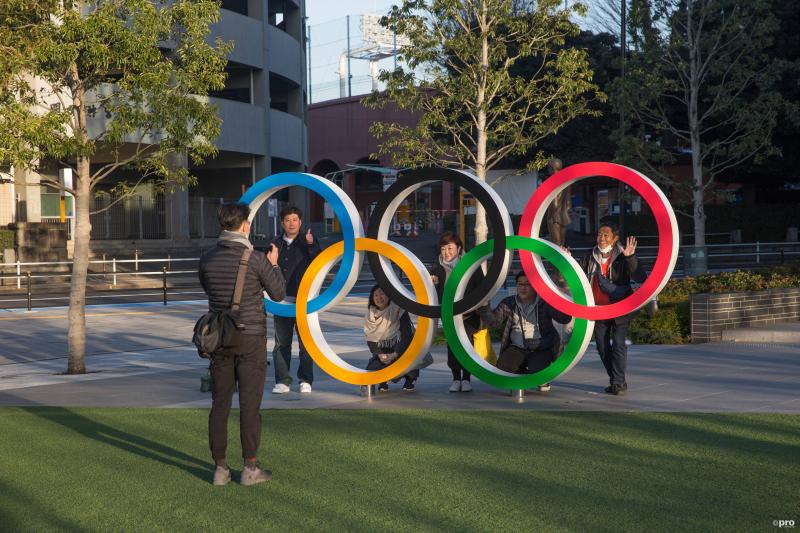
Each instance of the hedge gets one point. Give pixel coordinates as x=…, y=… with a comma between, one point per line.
x=6, y=239
x=671, y=324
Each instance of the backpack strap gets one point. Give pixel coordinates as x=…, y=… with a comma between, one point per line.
x=240, y=275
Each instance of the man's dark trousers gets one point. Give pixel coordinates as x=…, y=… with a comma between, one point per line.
x=518, y=361
x=610, y=338
x=246, y=363
x=282, y=353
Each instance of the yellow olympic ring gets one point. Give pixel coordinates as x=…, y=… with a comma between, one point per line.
x=311, y=334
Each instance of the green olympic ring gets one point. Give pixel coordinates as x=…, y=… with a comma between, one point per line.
x=461, y=346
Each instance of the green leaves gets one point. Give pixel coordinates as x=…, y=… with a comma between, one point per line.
x=490, y=82
x=123, y=80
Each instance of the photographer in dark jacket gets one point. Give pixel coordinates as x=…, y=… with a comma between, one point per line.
x=245, y=360
x=611, y=267
x=295, y=253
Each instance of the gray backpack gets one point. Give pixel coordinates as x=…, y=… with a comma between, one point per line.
x=216, y=330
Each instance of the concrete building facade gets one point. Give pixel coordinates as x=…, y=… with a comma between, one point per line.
x=263, y=112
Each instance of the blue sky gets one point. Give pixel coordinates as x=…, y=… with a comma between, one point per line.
x=319, y=11
x=328, y=31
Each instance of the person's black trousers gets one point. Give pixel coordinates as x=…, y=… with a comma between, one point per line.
x=471, y=325
x=245, y=362
x=285, y=327
x=518, y=361
x=376, y=364
x=610, y=338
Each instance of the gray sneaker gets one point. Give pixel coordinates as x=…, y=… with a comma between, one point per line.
x=222, y=476
x=251, y=476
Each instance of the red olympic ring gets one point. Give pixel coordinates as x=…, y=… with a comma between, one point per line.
x=667, y=243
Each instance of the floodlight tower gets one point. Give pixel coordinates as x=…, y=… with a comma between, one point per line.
x=377, y=43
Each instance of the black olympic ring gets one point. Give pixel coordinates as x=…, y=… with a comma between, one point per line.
x=501, y=225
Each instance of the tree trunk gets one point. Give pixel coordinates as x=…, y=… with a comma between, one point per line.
x=481, y=229
x=76, y=318
x=80, y=268
x=698, y=187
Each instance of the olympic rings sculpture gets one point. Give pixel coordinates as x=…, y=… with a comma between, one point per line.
x=423, y=301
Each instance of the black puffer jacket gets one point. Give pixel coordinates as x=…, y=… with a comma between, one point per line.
x=218, y=268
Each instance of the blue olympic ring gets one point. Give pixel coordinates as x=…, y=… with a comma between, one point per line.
x=350, y=223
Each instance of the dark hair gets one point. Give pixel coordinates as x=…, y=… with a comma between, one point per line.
x=520, y=274
x=291, y=210
x=372, y=294
x=449, y=237
x=610, y=225
x=554, y=165
x=231, y=215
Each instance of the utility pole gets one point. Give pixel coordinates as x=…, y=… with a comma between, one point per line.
x=622, y=46
x=349, y=76
x=308, y=37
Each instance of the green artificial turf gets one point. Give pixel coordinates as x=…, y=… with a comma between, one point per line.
x=149, y=469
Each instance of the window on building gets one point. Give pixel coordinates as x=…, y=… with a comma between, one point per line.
x=237, y=85
x=277, y=13
x=284, y=95
x=237, y=6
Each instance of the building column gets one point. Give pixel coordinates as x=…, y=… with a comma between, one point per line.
x=447, y=195
x=177, y=204
x=260, y=168
x=28, y=186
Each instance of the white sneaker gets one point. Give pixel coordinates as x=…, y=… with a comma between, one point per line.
x=305, y=387
x=280, y=388
x=544, y=387
x=466, y=386
x=456, y=386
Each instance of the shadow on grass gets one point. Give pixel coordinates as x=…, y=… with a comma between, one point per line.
x=123, y=440
x=14, y=499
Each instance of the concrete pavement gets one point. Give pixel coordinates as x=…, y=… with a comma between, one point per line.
x=140, y=355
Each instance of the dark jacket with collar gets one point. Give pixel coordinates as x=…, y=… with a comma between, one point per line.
x=504, y=314
x=621, y=272
x=217, y=272
x=294, y=259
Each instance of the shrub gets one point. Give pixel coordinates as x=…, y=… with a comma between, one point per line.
x=661, y=327
x=6, y=239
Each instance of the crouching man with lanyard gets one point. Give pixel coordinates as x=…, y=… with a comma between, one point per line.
x=611, y=267
x=530, y=342
x=245, y=360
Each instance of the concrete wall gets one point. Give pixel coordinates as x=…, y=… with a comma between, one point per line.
x=712, y=313
x=246, y=34
x=338, y=130
x=286, y=136
x=243, y=127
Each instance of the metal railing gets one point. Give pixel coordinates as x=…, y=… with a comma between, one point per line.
x=111, y=271
x=728, y=256
x=163, y=273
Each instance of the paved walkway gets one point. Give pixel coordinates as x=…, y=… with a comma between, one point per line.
x=139, y=355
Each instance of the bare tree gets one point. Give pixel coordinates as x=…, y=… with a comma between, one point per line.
x=703, y=78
